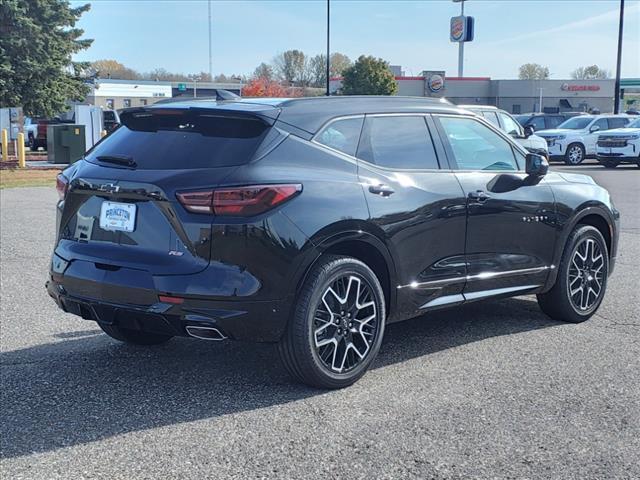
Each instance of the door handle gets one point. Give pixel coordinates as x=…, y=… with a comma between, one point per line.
x=479, y=196
x=382, y=190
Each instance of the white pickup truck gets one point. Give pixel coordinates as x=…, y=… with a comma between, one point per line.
x=621, y=145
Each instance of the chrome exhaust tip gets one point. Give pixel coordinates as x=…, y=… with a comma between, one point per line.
x=205, y=333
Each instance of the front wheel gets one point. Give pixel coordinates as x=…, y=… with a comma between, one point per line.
x=134, y=337
x=582, y=277
x=337, y=325
x=575, y=154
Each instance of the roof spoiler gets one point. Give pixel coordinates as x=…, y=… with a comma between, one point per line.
x=221, y=96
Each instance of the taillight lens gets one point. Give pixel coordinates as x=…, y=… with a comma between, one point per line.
x=238, y=201
x=62, y=185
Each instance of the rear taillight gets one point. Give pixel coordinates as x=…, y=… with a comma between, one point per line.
x=238, y=201
x=62, y=185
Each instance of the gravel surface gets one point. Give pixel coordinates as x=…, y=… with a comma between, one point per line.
x=492, y=390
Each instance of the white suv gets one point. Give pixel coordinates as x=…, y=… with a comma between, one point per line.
x=576, y=138
x=621, y=145
x=506, y=123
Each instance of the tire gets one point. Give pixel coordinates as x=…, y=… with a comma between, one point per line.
x=134, y=337
x=558, y=303
x=333, y=350
x=610, y=163
x=575, y=154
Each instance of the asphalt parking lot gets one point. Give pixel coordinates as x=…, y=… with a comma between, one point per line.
x=493, y=390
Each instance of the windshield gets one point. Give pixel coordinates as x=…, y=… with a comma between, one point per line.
x=576, y=123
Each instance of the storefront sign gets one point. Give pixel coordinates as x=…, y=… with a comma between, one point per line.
x=579, y=88
x=461, y=29
x=433, y=82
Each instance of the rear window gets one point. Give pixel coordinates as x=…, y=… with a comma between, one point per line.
x=178, y=140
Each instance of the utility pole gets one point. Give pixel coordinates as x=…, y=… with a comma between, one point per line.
x=461, y=48
x=616, y=100
x=210, y=53
x=328, y=46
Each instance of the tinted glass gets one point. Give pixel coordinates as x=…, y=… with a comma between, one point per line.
x=537, y=123
x=343, y=135
x=183, y=140
x=553, y=122
x=491, y=117
x=576, y=123
x=509, y=125
x=619, y=122
x=109, y=115
x=522, y=119
x=397, y=142
x=477, y=147
x=634, y=124
x=602, y=123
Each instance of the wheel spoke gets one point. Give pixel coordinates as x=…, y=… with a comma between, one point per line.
x=345, y=323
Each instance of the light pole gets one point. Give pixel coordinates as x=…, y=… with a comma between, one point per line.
x=210, y=67
x=616, y=100
x=328, y=47
x=461, y=47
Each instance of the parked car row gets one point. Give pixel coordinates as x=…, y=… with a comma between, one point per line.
x=577, y=137
x=35, y=128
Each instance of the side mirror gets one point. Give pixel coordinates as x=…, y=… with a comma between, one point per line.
x=536, y=165
x=528, y=131
x=594, y=128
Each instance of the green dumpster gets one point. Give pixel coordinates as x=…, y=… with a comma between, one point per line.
x=65, y=143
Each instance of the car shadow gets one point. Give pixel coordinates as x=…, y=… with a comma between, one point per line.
x=87, y=387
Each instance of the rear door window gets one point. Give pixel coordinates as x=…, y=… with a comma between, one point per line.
x=619, y=122
x=398, y=142
x=554, y=121
x=342, y=135
x=182, y=140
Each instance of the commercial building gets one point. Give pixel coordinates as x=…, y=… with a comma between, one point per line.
x=515, y=96
x=117, y=94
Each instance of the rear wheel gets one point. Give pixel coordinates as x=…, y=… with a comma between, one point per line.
x=582, y=277
x=337, y=326
x=135, y=337
x=575, y=154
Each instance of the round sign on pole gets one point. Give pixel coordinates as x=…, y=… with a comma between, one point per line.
x=458, y=29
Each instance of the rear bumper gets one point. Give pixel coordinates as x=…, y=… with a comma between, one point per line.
x=261, y=321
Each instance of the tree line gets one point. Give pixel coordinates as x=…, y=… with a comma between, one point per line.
x=535, y=71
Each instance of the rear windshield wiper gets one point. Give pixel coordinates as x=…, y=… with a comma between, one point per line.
x=118, y=159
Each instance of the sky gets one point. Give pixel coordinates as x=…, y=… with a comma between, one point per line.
x=172, y=34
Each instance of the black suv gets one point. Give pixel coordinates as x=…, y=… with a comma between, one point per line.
x=313, y=223
x=544, y=121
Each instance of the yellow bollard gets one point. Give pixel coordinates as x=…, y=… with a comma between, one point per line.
x=21, y=161
x=5, y=145
x=103, y=133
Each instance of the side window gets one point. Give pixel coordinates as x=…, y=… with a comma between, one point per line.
x=618, y=122
x=553, y=121
x=398, y=142
x=509, y=125
x=342, y=135
x=476, y=147
x=602, y=123
x=538, y=123
x=491, y=117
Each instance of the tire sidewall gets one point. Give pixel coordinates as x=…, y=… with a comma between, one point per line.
x=581, y=234
x=340, y=268
x=571, y=147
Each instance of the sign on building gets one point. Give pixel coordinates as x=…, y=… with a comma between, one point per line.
x=434, y=83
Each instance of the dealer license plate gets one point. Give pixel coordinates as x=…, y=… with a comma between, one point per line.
x=118, y=216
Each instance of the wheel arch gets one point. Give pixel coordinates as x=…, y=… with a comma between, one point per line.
x=595, y=215
x=363, y=246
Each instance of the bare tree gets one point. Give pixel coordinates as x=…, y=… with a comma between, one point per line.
x=263, y=71
x=291, y=66
x=592, y=72
x=533, y=71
